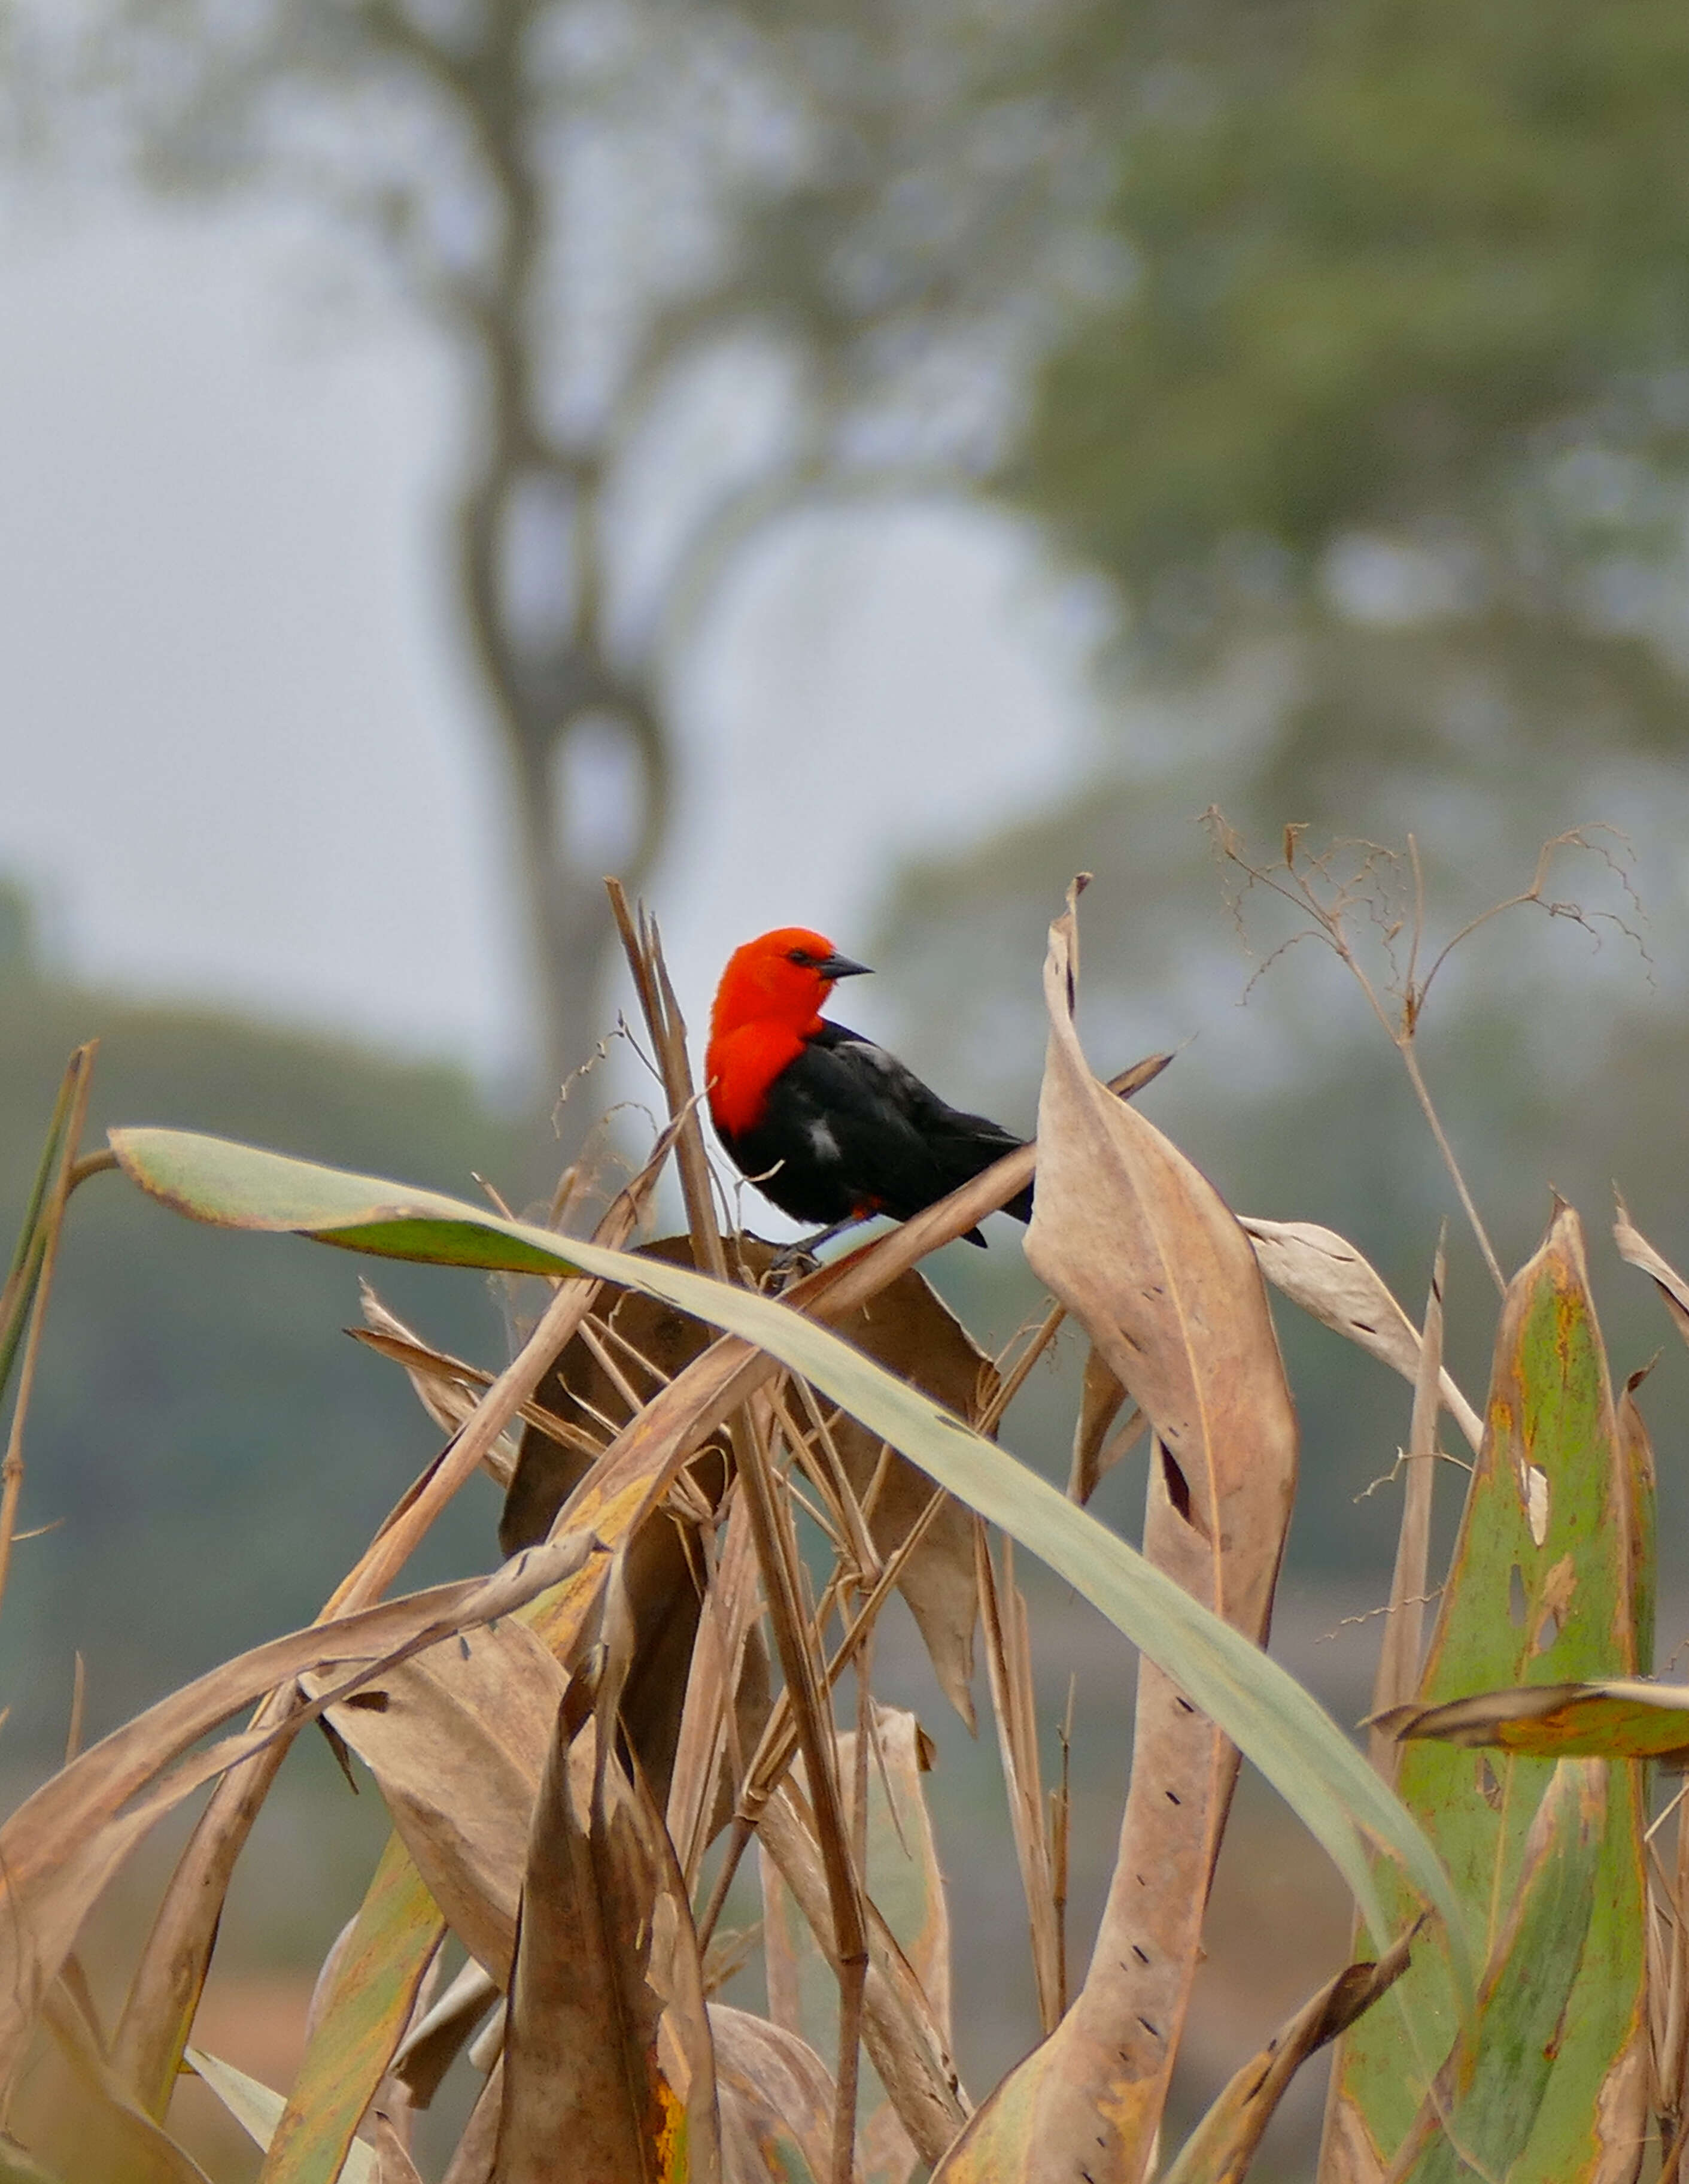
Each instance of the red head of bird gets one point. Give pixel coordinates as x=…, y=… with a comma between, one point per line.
x=768, y=1002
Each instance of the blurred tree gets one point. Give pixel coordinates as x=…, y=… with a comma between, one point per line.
x=700, y=265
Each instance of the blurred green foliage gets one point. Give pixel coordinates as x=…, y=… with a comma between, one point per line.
x=212, y=1450
x=1410, y=266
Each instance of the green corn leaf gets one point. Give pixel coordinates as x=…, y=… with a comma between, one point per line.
x=1553, y=1558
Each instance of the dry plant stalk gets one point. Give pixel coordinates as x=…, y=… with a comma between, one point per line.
x=33, y=1269
x=771, y=1531
x=1398, y=1678
x=1008, y=1663
x=1355, y=883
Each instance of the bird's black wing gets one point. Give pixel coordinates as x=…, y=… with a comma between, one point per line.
x=852, y=1129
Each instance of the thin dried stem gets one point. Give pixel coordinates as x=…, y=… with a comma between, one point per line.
x=818, y=1452
x=1422, y=1093
x=1671, y=2059
x=1008, y=1673
x=78, y=1081
x=778, y=1742
x=1398, y=1661
x=775, y=1546
x=1010, y=1382
x=1329, y=897
x=79, y=1696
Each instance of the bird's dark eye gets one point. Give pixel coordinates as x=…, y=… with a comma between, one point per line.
x=802, y=956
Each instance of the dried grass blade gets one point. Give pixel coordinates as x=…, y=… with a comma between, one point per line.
x=1397, y=1677
x=57, y=1158
x=61, y=1846
x=368, y=1995
x=1144, y=1254
x=1017, y=1739
x=1635, y=1247
x=607, y=2049
x=31, y=1286
x=457, y=1746
x=1323, y=1274
x=901, y=2033
x=1224, y=2143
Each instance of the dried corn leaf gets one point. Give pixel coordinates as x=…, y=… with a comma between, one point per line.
x=60, y=1848
x=257, y=2110
x=1323, y=1274
x=776, y=2102
x=1095, y=1454
x=1224, y=2143
x=456, y=1740
x=1636, y=1247
x=1141, y=1250
x=645, y=1343
x=360, y=2013
x=434, y=2041
x=607, y=2051
x=1618, y=1718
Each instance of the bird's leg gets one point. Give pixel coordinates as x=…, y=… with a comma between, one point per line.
x=805, y=1247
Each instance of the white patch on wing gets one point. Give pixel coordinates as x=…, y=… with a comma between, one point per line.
x=822, y=1142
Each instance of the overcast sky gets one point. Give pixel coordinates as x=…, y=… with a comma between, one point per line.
x=242, y=758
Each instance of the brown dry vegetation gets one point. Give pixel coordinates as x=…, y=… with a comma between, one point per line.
x=668, y=1712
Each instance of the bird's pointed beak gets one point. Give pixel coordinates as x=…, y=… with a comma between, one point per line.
x=841, y=966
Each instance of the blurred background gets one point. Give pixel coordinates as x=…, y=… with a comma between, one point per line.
x=852, y=464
